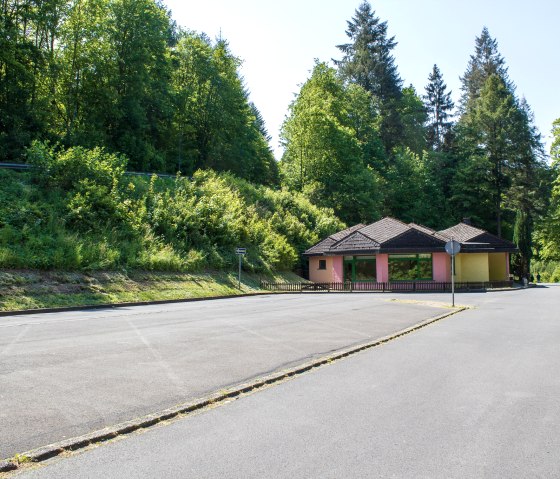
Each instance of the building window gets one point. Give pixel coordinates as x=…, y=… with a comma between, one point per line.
x=322, y=264
x=410, y=267
x=360, y=268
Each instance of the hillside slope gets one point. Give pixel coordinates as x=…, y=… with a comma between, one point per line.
x=78, y=212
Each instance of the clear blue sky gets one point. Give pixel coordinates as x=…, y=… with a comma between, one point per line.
x=279, y=40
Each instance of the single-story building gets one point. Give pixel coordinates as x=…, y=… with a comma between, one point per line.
x=390, y=250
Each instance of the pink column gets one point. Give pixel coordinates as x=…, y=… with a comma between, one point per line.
x=382, y=262
x=441, y=267
x=337, y=269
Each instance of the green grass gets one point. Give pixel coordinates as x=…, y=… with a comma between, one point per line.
x=21, y=290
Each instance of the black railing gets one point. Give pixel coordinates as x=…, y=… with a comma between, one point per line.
x=25, y=166
x=387, y=287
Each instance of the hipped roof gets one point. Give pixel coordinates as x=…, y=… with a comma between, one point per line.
x=390, y=235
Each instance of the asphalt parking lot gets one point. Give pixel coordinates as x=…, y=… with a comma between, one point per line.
x=473, y=395
x=66, y=374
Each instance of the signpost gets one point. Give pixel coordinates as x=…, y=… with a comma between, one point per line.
x=240, y=252
x=452, y=248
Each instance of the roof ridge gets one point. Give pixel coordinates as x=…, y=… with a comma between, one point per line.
x=356, y=227
x=348, y=236
x=385, y=218
x=412, y=224
x=394, y=219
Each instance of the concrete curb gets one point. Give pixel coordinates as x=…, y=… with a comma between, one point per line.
x=72, y=444
x=63, y=309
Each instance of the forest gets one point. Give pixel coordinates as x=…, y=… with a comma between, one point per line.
x=90, y=89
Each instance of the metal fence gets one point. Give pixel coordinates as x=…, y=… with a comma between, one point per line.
x=24, y=166
x=386, y=287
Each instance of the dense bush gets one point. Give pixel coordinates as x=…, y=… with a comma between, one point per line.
x=549, y=271
x=78, y=211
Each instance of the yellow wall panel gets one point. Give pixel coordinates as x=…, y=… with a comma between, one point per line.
x=472, y=267
x=497, y=263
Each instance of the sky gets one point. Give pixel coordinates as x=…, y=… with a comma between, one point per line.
x=278, y=42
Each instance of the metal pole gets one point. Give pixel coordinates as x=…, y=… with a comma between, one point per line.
x=452, y=278
x=239, y=276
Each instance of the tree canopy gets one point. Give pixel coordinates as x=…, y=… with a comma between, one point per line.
x=118, y=77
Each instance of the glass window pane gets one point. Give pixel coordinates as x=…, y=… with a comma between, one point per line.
x=365, y=257
x=425, y=269
x=402, y=270
x=347, y=271
x=365, y=270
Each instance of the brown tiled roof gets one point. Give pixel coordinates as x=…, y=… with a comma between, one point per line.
x=391, y=235
x=324, y=245
x=342, y=234
x=462, y=232
x=428, y=231
x=373, y=237
x=475, y=239
x=384, y=229
x=356, y=241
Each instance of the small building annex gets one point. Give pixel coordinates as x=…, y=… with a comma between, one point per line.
x=390, y=250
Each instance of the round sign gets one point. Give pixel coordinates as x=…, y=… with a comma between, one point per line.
x=452, y=247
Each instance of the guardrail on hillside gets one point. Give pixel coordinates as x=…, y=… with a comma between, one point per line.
x=386, y=287
x=25, y=166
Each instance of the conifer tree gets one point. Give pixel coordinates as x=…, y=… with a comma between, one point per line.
x=485, y=62
x=439, y=107
x=367, y=60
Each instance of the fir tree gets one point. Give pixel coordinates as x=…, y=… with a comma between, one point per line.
x=485, y=62
x=367, y=61
x=439, y=106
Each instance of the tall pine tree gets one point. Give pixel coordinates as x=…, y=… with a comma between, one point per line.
x=485, y=62
x=439, y=107
x=367, y=60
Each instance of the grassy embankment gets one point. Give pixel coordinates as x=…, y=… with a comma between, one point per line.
x=37, y=289
x=76, y=216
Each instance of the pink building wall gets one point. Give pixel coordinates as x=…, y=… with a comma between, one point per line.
x=382, y=262
x=441, y=267
x=335, y=264
x=338, y=274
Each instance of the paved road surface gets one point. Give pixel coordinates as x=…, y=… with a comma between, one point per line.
x=66, y=374
x=472, y=396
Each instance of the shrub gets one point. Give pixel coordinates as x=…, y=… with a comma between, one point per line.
x=76, y=212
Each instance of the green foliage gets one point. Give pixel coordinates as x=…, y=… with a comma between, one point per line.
x=495, y=134
x=549, y=271
x=328, y=149
x=439, y=107
x=547, y=235
x=116, y=74
x=67, y=168
x=77, y=211
x=485, y=62
x=413, y=195
x=215, y=125
x=523, y=239
x=414, y=117
x=368, y=62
